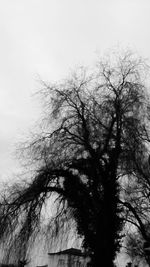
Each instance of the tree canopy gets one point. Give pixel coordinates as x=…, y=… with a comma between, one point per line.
x=92, y=140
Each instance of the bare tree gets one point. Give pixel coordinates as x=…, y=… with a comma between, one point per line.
x=94, y=128
x=137, y=206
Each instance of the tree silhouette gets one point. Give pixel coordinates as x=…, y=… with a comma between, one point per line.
x=94, y=128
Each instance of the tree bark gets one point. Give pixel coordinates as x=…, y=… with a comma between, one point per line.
x=108, y=225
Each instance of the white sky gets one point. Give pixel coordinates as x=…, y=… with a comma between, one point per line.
x=50, y=37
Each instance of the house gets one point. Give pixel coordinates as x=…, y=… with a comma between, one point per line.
x=69, y=258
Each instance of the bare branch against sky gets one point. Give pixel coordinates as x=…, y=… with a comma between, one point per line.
x=48, y=38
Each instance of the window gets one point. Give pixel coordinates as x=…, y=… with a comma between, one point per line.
x=61, y=263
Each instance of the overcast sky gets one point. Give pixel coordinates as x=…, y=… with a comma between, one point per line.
x=50, y=37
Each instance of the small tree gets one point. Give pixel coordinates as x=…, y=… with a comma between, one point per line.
x=94, y=127
x=135, y=249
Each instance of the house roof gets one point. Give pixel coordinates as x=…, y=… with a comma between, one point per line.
x=70, y=251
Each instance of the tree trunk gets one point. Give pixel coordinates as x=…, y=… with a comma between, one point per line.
x=108, y=226
x=101, y=259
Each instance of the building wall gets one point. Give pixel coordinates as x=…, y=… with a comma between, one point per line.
x=66, y=260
